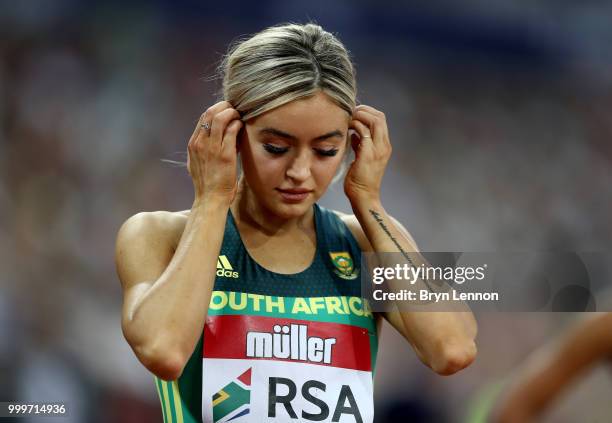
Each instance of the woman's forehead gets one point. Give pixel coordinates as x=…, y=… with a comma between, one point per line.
x=317, y=113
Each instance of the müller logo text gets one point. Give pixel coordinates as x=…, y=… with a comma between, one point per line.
x=290, y=342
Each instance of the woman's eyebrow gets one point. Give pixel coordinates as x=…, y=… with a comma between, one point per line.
x=282, y=134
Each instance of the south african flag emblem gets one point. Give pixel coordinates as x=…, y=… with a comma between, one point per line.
x=343, y=264
x=233, y=400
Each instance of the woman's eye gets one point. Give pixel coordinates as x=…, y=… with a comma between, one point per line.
x=274, y=149
x=330, y=152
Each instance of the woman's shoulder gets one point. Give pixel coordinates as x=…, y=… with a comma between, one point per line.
x=349, y=219
x=354, y=226
x=155, y=226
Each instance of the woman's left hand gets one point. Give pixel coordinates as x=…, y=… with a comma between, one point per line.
x=372, y=152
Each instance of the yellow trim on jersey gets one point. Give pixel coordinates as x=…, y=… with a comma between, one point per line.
x=178, y=405
x=161, y=398
x=166, y=398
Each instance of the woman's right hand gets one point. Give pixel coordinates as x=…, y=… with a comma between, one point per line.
x=212, y=154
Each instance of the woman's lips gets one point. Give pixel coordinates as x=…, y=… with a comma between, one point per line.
x=293, y=196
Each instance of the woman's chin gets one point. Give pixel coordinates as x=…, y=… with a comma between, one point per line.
x=287, y=210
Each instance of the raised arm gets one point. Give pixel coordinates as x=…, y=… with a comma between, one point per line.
x=167, y=292
x=444, y=341
x=550, y=371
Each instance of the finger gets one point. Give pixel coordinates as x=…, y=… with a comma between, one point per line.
x=205, y=117
x=370, y=109
x=228, y=146
x=362, y=130
x=198, y=135
x=197, y=130
x=220, y=122
x=209, y=116
x=375, y=122
x=365, y=138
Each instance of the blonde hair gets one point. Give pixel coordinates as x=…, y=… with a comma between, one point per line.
x=284, y=63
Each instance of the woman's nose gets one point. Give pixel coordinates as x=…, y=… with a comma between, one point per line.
x=299, y=169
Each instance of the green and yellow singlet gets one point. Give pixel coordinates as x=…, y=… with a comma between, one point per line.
x=279, y=348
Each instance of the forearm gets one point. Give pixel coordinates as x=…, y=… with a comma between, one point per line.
x=170, y=315
x=555, y=367
x=530, y=393
x=437, y=335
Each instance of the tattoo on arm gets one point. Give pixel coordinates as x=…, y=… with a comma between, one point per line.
x=380, y=221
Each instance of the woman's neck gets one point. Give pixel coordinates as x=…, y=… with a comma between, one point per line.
x=247, y=209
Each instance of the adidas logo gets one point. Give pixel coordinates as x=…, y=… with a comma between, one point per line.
x=225, y=269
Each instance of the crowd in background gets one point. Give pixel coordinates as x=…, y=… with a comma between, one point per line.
x=499, y=118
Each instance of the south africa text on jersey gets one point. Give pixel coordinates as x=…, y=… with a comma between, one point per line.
x=241, y=301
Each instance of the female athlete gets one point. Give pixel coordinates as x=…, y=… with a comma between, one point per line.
x=247, y=307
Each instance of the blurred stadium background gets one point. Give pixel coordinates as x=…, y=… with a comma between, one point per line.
x=500, y=114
